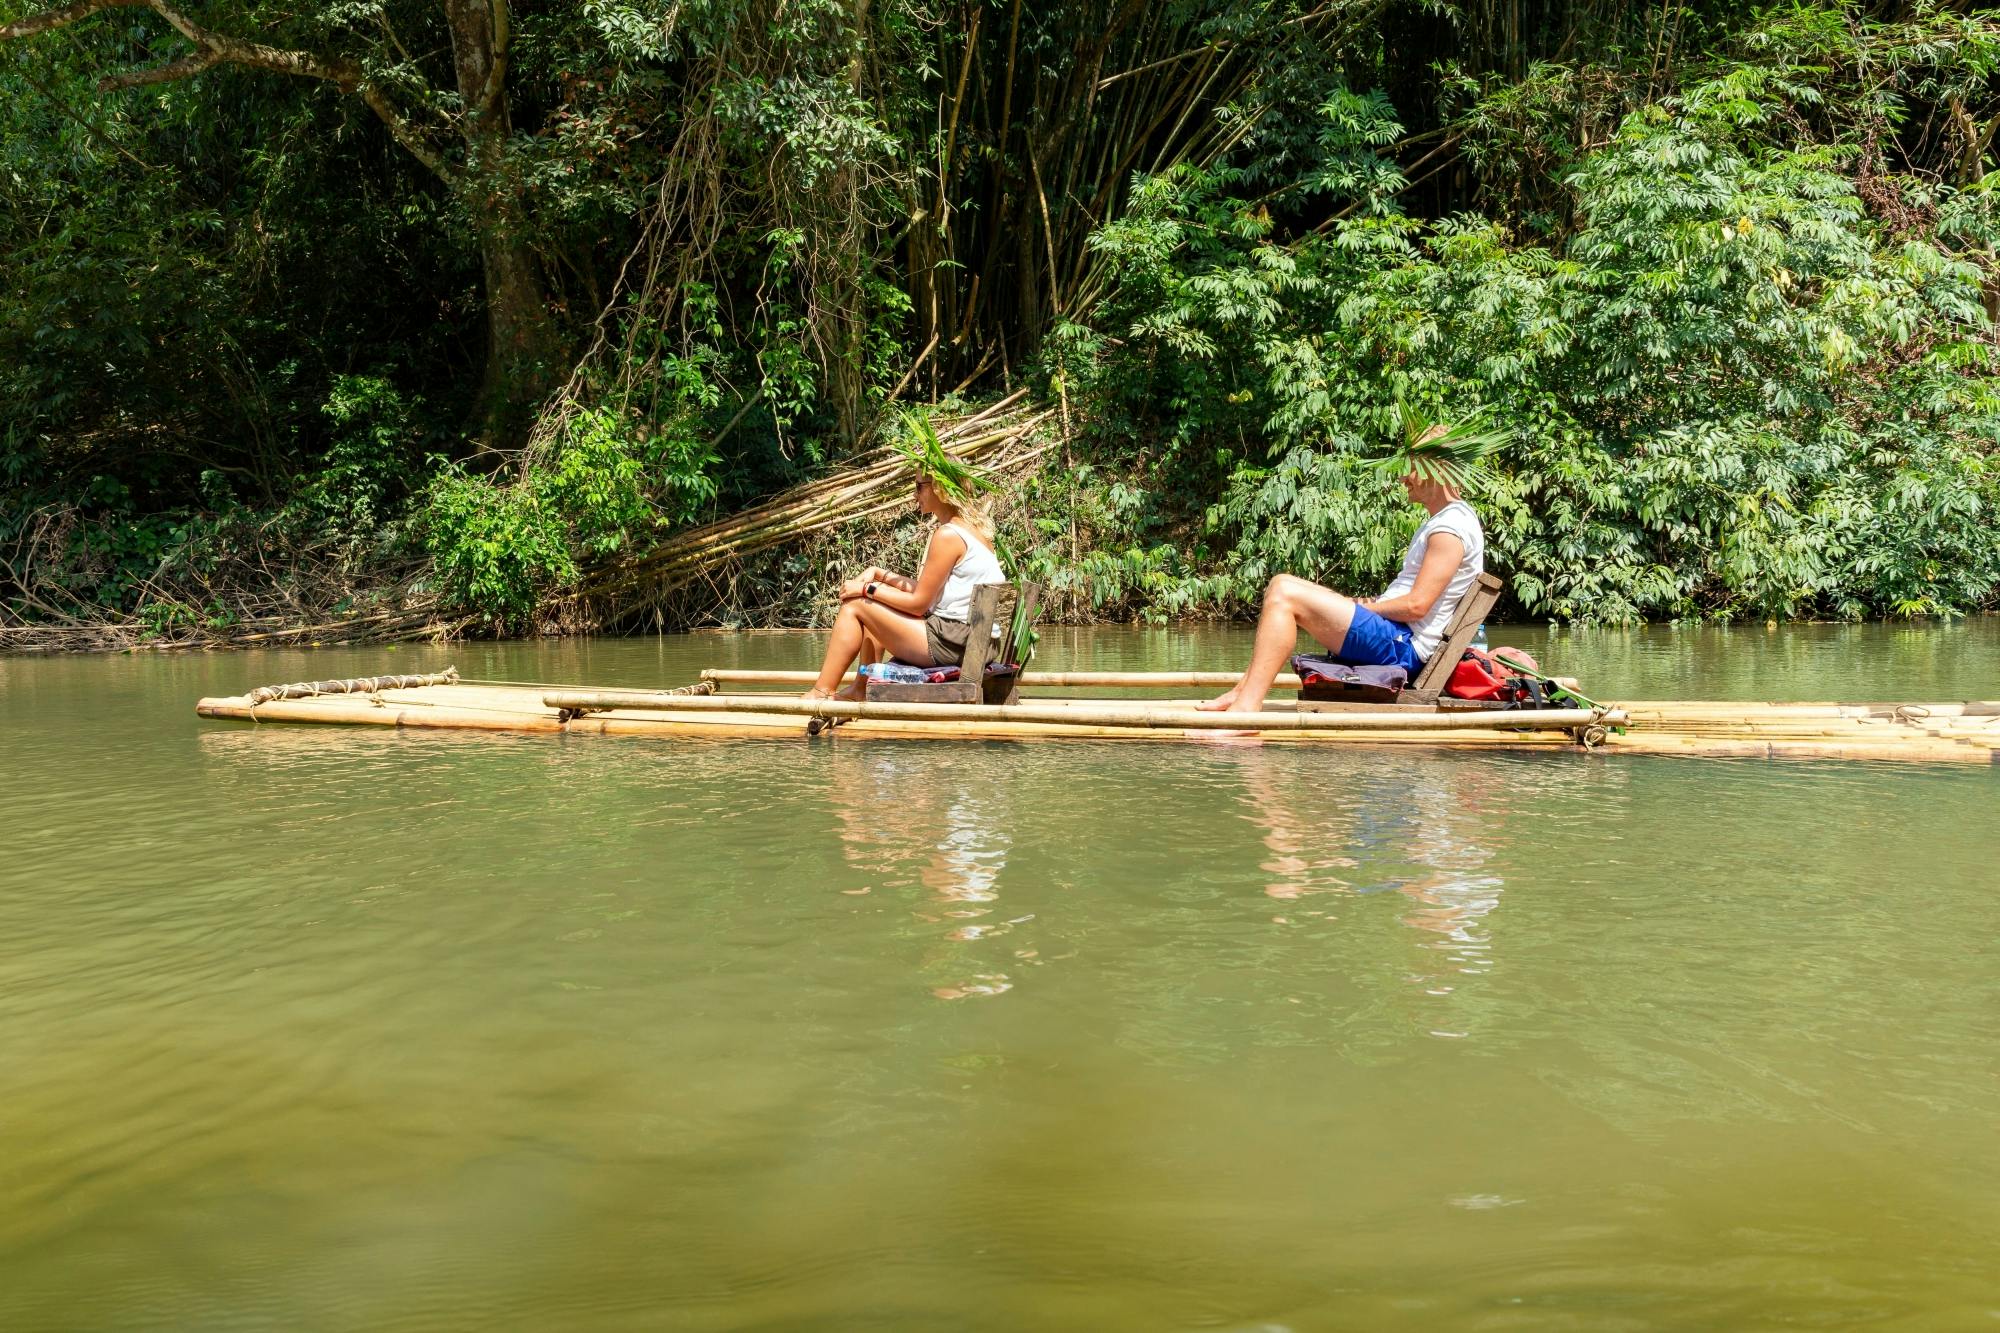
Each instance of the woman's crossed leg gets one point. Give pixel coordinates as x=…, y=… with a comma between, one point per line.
x=869, y=632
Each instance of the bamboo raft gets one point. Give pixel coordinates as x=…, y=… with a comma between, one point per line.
x=720, y=707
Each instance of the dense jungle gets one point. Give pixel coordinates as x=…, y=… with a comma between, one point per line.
x=357, y=319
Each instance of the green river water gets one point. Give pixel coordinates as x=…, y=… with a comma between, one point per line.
x=351, y=1029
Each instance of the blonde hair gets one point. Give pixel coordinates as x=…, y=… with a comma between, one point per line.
x=977, y=513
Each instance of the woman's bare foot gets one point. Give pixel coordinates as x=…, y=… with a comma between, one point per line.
x=816, y=693
x=854, y=694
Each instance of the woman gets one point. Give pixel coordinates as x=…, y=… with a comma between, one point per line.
x=921, y=620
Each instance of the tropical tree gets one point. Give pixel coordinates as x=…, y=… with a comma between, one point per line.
x=450, y=111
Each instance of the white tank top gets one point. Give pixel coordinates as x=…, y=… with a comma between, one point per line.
x=978, y=565
x=1458, y=519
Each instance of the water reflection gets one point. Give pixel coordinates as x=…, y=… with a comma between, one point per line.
x=1425, y=828
x=906, y=820
x=1294, y=845
x=1456, y=823
x=1435, y=838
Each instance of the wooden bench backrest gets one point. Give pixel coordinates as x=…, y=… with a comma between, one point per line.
x=1478, y=603
x=993, y=604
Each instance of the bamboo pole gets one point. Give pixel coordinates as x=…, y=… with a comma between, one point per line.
x=1144, y=680
x=360, y=711
x=1691, y=712
x=1049, y=679
x=1103, y=714
x=306, y=689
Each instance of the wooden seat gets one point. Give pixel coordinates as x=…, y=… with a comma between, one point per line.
x=1427, y=690
x=992, y=604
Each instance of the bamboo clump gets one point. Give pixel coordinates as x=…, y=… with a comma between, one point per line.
x=1002, y=436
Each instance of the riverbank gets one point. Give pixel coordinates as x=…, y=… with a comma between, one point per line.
x=429, y=626
x=1733, y=319
x=753, y=596
x=1144, y=540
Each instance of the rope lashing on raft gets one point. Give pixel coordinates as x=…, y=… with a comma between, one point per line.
x=307, y=689
x=821, y=721
x=699, y=687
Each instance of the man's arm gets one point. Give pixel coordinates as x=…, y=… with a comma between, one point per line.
x=1441, y=556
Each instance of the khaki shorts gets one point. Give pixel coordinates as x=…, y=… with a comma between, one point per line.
x=947, y=640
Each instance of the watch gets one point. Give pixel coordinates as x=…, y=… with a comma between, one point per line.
x=868, y=590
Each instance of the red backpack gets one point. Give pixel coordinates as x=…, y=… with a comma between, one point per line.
x=1483, y=675
x=1478, y=676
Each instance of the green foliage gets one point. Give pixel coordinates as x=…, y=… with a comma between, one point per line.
x=371, y=461
x=607, y=485
x=1731, y=391
x=1719, y=277
x=919, y=442
x=497, y=549
x=1448, y=453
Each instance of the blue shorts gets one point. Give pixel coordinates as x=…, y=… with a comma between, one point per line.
x=1374, y=640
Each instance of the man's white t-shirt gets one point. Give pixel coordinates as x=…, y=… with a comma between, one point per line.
x=1458, y=519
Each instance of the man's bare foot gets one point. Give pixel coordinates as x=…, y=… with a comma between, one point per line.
x=1220, y=735
x=1220, y=703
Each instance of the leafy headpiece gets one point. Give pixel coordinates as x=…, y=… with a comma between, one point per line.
x=1449, y=454
x=920, y=444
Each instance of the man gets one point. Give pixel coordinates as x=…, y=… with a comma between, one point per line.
x=1404, y=625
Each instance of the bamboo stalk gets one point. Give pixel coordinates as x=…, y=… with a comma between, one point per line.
x=1144, y=680
x=305, y=689
x=862, y=502
x=948, y=169
x=1731, y=717
x=1102, y=715
x=915, y=366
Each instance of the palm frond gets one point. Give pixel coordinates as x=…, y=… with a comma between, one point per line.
x=920, y=444
x=1451, y=454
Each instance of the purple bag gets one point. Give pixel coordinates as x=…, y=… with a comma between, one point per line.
x=1324, y=678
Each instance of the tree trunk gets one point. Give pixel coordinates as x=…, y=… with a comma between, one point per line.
x=846, y=340
x=522, y=344
x=521, y=338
